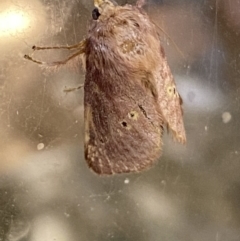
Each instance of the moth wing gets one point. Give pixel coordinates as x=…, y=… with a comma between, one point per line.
x=170, y=102
x=121, y=135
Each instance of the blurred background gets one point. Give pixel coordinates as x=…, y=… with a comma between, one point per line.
x=47, y=191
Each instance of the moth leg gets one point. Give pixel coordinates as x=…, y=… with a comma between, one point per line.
x=75, y=46
x=56, y=62
x=81, y=50
x=34, y=60
x=73, y=89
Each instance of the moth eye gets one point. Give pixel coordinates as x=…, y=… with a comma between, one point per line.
x=95, y=14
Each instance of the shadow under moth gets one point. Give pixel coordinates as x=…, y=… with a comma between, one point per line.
x=129, y=91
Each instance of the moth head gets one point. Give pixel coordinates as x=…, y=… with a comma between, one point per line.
x=104, y=5
x=95, y=14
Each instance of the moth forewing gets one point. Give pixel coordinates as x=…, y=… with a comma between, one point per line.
x=129, y=91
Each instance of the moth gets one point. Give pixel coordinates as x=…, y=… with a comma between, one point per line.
x=130, y=95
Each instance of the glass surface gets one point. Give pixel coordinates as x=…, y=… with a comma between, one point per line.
x=47, y=192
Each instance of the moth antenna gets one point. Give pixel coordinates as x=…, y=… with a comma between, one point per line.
x=140, y=4
x=175, y=45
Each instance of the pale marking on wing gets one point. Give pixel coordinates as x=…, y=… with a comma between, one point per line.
x=133, y=115
x=109, y=162
x=171, y=91
x=100, y=164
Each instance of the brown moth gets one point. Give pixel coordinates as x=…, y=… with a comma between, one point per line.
x=129, y=91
